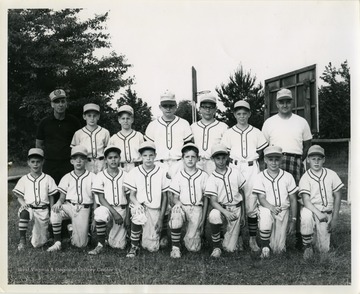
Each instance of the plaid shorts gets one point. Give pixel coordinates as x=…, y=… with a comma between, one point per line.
x=293, y=164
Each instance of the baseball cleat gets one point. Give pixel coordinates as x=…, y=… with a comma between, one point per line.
x=55, y=247
x=134, y=251
x=216, y=253
x=97, y=250
x=164, y=242
x=253, y=245
x=308, y=253
x=265, y=252
x=175, y=252
x=21, y=246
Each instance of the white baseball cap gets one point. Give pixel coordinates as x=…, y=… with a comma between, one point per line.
x=316, y=150
x=36, y=151
x=241, y=103
x=127, y=109
x=207, y=96
x=192, y=145
x=91, y=106
x=111, y=148
x=79, y=149
x=283, y=94
x=167, y=96
x=57, y=94
x=146, y=145
x=273, y=151
x=218, y=149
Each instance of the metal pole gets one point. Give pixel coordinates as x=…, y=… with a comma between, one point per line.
x=194, y=94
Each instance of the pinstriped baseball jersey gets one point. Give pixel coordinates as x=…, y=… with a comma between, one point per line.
x=276, y=190
x=168, y=138
x=320, y=188
x=148, y=185
x=111, y=187
x=128, y=145
x=206, y=136
x=77, y=188
x=225, y=187
x=95, y=141
x=243, y=144
x=190, y=188
x=36, y=191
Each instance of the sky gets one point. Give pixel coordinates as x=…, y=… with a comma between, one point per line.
x=164, y=39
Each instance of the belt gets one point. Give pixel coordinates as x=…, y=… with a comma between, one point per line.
x=191, y=204
x=237, y=162
x=327, y=212
x=84, y=205
x=163, y=160
x=122, y=206
x=137, y=163
x=292, y=155
x=99, y=158
x=236, y=205
x=45, y=206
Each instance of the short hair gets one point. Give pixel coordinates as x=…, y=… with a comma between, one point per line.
x=116, y=150
x=190, y=148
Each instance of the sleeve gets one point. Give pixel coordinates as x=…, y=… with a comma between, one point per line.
x=188, y=135
x=52, y=186
x=149, y=133
x=40, y=133
x=112, y=140
x=261, y=142
x=265, y=130
x=107, y=138
x=225, y=140
x=306, y=131
x=98, y=184
x=204, y=181
x=174, y=186
x=64, y=184
x=165, y=183
x=336, y=183
x=241, y=180
x=291, y=187
x=141, y=138
x=129, y=180
x=259, y=187
x=304, y=185
x=74, y=140
x=211, y=187
x=20, y=186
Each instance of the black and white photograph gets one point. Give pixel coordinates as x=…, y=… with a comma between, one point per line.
x=180, y=146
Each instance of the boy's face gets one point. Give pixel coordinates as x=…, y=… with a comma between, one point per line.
x=35, y=163
x=113, y=159
x=125, y=120
x=168, y=109
x=316, y=162
x=78, y=161
x=190, y=158
x=242, y=116
x=207, y=110
x=284, y=106
x=221, y=160
x=91, y=118
x=148, y=157
x=273, y=162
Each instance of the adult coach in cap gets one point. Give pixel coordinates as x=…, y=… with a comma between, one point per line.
x=54, y=136
x=292, y=133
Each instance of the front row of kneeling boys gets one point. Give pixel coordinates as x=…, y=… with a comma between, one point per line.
x=145, y=188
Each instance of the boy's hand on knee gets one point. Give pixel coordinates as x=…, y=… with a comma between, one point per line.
x=230, y=216
x=56, y=207
x=332, y=225
x=275, y=209
x=118, y=219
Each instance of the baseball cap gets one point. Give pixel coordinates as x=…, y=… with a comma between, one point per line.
x=126, y=108
x=36, y=151
x=167, y=96
x=316, y=150
x=146, y=145
x=79, y=149
x=91, y=106
x=207, y=96
x=273, y=151
x=242, y=103
x=57, y=94
x=283, y=94
x=189, y=145
x=111, y=148
x=218, y=149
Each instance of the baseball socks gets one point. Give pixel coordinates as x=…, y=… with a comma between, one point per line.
x=23, y=226
x=135, y=240
x=163, y=236
x=216, y=240
x=57, y=237
x=175, y=240
x=252, y=225
x=265, y=243
x=100, y=233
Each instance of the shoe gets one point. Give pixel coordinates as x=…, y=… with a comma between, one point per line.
x=265, y=252
x=134, y=251
x=21, y=246
x=216, y=253
x=70, y=229
x=308, y=253
x=240, y=244
x=175, y=252
x=55, y=247
x=163, y=242
x=253, y=245
x=97, y=250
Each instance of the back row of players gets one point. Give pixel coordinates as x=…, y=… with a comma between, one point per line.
x=167, y=179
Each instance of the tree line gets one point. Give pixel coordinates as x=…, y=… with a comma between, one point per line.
x=49, y=49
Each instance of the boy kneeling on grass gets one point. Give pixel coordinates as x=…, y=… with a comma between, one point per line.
x=224, y=189
x=148, y=185
x=276, y=191
x=75, y=202
x=188, y=187
x=108, y=186
x=34, y=192
x=320, y=189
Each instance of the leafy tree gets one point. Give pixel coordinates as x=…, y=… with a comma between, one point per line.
x=334, y=102
x=142, y=112
x=184, y=111
x=241, y=86
x=50, y=49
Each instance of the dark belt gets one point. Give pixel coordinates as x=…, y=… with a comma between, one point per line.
x=84, y=205
x=236, y=162
x=163, y=160
x=122, y=206
x=45, y=206
x=137, y=163
x=292, y=155
x=236, y=205
x=327, y=212
x=100, y=158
